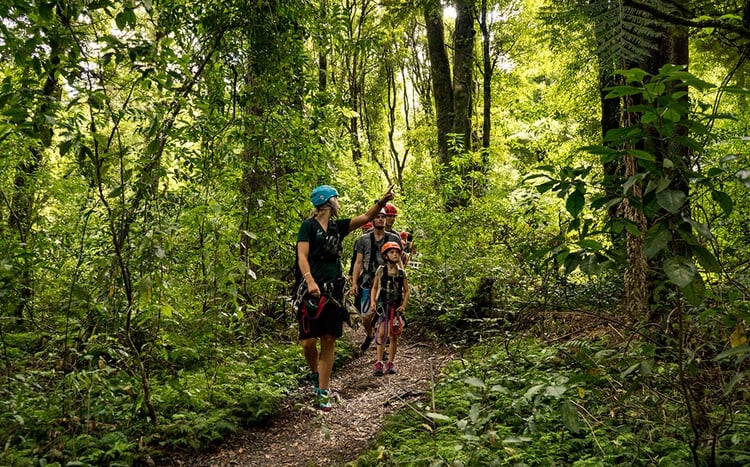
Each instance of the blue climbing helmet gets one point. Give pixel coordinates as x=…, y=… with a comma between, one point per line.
x=321, y=194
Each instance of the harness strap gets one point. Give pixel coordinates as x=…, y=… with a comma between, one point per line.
x=391, y=321
x=306, y=316
x=396, y=324
x=378, y=327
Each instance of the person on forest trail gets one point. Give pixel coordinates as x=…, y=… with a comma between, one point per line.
x=389, y=297
x=357, y=291
x=391, y=212
x=320, y=310
x=367, y=260
x=406, y=245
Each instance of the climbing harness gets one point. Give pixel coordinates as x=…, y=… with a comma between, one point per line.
x=390, y=321
x=306, y=318
x=310, y=306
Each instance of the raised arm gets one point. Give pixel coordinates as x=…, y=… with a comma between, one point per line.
x=362, y=219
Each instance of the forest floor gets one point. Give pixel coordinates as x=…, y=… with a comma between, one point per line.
x=302, y=435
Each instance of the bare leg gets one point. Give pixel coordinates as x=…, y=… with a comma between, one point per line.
x=381, y=338
x=310, y=351
x=325, y=361
x=392, y=348
x=367, y=313
x=367, y=323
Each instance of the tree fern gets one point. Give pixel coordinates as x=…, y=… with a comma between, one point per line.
x=624, y=34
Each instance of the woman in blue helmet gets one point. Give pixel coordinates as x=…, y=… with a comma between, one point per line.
x=322, y=314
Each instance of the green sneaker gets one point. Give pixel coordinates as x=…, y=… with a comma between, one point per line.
x=324, y=400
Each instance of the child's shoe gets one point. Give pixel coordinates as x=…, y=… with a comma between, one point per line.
x=390, y=368
x=378, y=368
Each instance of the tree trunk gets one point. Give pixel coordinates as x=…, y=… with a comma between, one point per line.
x=673, y=49
x=453, y=96
x=487, y=79
x=21, y=219
x=442, y=89
x=323, y=52
x=463, y=75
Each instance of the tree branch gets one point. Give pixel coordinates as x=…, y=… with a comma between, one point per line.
x=709, y=22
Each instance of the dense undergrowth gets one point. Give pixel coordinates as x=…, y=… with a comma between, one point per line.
x=524, y=401
x=93, y=413
x=557, y=380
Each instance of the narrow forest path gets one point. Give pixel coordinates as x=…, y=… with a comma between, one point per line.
x=301, y=435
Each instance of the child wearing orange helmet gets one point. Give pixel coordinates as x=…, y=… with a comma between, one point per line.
x=389, y=296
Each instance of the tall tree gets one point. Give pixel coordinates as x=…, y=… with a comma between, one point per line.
x=454, y=92
x=631, y=36
x=47, y=52
x=442, y=88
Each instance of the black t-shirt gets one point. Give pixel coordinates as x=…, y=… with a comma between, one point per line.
x=325, y=247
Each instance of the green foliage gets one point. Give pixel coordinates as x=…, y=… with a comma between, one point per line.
x=579, y=403
x=665, y=201
x=96, y=413
x=161, y=183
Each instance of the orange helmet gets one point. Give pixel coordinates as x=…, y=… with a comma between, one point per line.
x=387, y=246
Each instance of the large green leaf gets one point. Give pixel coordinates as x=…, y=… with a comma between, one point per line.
x=680, y=270
x=575, y=202
x=671, y=200
x=695, y=291
x=590, y=244
x=702, y=229
x=637, y=178
x=572, y=261
x=656, y=240
x=621, y=91
x=706, y=258
x=724, y=201
x=476, y=382
x=643, y=155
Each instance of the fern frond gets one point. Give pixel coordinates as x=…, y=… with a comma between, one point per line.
x=625, y=35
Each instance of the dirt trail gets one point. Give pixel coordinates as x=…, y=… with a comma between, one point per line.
x=303, y=436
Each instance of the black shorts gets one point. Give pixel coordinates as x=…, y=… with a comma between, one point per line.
x=329, y=322
x=331, y=319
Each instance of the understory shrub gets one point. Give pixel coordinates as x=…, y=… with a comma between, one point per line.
x=94, y=413
x=524, y=402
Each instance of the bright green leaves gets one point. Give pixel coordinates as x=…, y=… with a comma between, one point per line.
x=568, y=182
x=660, y=187
x=127, y=18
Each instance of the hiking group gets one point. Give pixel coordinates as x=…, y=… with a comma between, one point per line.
x=377, y=279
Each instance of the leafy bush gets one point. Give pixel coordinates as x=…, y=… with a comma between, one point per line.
x=94, y=413
x=528, y=403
